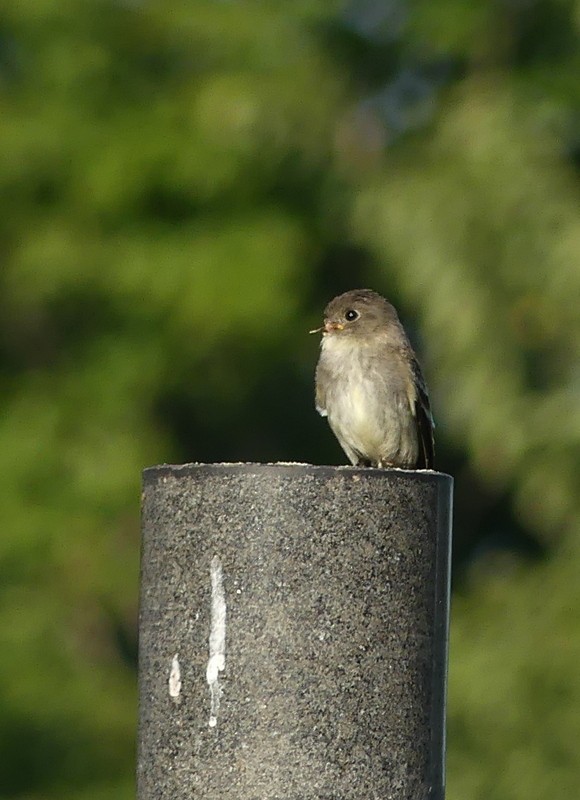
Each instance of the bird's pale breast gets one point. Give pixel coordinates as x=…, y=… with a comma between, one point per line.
x=367, y=401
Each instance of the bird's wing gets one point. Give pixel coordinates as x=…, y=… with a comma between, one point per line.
x=322, y=378
x=424, y=419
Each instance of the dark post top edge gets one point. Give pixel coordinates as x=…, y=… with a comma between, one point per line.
x=150, y=474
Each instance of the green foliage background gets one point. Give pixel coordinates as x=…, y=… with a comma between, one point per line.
x=184, y=185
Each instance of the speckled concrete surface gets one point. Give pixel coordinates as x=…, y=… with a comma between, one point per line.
x=322, y=592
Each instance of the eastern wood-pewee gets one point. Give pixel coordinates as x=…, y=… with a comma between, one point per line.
x=369, y=384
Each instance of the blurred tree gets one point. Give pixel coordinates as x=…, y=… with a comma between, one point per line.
x=184, y=186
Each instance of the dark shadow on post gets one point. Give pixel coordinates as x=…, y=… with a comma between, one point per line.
x=293, y=633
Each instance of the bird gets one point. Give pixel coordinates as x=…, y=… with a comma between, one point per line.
x=370, y=386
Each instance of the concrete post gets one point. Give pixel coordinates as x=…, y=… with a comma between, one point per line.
x=293, y=633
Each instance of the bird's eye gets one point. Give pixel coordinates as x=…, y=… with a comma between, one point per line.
x=351, y=315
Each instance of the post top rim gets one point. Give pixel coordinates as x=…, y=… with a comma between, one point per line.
x=290, y=467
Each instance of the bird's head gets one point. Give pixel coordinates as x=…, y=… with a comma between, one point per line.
x=358, y=313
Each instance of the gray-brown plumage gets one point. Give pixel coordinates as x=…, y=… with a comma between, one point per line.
x=369, y=384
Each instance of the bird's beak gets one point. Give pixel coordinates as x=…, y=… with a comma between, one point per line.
x=328, y=327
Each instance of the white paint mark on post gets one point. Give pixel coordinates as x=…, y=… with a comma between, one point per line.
x=175, y=678
x=217, y=639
